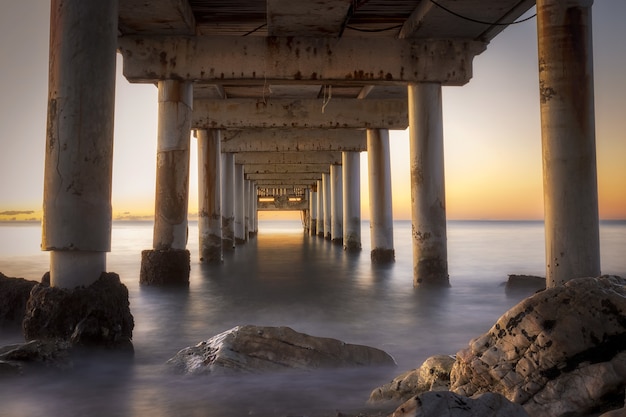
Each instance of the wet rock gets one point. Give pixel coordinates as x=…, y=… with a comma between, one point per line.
x=560, y=352
x=449, y=404
x=43, y=353
x=253, y=349
x=524, y=283
x=14, y=293
x=165, y=267
x=432, y=375
x=95, y=316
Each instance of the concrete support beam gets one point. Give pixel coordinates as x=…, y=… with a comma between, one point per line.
x=336, y=205
x=305, y=178
x=294, y=140
x=209, y=196
x=351, y=165
x=136, y=18
x=285, y=113
x=568, y=139
x=317, y=60
x=228, y=201
x=320, y=209
x=326, y=206
x=381, y=215
x=289, y=18
x=286, y=183
x=172, y=188
x=79, y=140
x=240, y=206
x=303, y=158
x=428, y=194
x=287, y=169
x=313, y=211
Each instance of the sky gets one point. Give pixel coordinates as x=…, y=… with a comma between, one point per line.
x=492, y=135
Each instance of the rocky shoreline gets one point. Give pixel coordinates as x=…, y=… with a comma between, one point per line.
x=559, y=352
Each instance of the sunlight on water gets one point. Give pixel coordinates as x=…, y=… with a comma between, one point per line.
x=285, y=278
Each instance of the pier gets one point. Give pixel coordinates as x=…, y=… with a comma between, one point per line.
x=282, y=97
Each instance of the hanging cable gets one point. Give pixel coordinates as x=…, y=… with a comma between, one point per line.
x=326, y=100
x=480, y=21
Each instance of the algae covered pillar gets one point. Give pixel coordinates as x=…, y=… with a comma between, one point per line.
x=428, y=203
x=228, y=201
x=381, y=216
x=168, y=262
x=76, y=226
x=336, y=204
x=209, y=196
x=568, y=140
x=351, y=166
x=320, y=209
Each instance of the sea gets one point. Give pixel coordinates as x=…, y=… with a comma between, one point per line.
x=282, y=277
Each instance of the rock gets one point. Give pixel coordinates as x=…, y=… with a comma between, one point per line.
x=433, y=375
x=524, y=283
x=95, y=316
x=253, y=349
x=14, y=293
x=560, y=352
x=47, y=353
x=165, y=267
x=449, y=404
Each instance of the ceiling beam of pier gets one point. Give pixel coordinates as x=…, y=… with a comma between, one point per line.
x=294, y=140
x=311, y=113
x=286, y=168
x=284, y=183
x=288, y=158
x=293, y=177
x=314, y=60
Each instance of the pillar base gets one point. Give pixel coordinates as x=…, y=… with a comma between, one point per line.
x=94, y=316
x=212, y=254
x=320, y=234
x=240, y=241
x=313, y=230
x=431, y=272
x=337, y=241
x=382, y=256
x=352, y=246
x=252, y=234
x=228, y=244
x=328, y=236
x=165, y=267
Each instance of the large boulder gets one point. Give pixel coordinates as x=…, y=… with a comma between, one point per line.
x=14, y=293
x=560, y=352
x=449, y=404
x=432, y=375
x=254, y=349
x=45, y=353
x=94, y=316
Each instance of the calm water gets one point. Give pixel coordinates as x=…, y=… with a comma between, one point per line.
x=283, y=278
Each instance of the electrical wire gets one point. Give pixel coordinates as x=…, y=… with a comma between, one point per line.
x=373, y=30
x=254, y=30
x=480, y=21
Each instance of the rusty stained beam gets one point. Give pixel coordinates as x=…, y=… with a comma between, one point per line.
x=313, y=60
x=293, y=140
x=288, y=158
x=286, y=168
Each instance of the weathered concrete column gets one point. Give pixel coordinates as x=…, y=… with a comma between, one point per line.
x=351, y=166
x=568, y=140
x=428, y=193
x=320, y=209
x=255, y=209
x=381, y=216
x=79, y=141
x=246, y=209
x=209, y=195
x=228, y=201
x=326, y=204
x=313, y=211
x=336, y=205
x=307, y=212
x=240, y=205
x=169, y=261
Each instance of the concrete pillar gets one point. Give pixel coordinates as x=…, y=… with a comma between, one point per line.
x=228, y=201
x=320, y=209
x=247, y=202
x=240, y=205
x=313, y=211
x=168, y=262
x=256, y=208
x=79, y=140
x=568, y=140
x=336, y=204
x=381, y=216
x=326, y=205
x=428, y=202
x=307, y=212
x=209, y=195
x=351, y=166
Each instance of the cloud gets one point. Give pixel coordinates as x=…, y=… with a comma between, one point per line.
x=15, y=212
